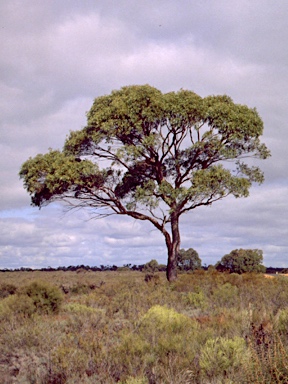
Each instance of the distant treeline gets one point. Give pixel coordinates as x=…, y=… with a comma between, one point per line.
x=134, y=267
x=74, y=268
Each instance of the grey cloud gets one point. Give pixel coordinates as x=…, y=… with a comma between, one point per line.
x=53, y=238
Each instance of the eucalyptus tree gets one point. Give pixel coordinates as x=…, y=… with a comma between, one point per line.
x=189, y=260
x=241, y=261
x=152, y=156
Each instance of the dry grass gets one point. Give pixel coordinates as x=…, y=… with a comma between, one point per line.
x=115, y=327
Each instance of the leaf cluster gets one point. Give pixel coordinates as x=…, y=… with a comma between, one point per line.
x=188, y=259
x=241, y=261
x=142, y=149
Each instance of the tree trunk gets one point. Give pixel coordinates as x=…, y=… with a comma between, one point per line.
x=173, y=248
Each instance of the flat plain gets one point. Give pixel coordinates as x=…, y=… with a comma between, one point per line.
x=115, y=327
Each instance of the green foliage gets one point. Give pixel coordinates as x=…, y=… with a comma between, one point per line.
x=196, y=300
x=46, y=298
x=188, y=260
x=135, y=380
x=164, y=155
x=37, y=297
x=221, y=356
x=161, y=335
x=164, y=320
x=18, y=306
x=226, y=295
x=282, y=321
x=151, y=266
x=206, y=327
x=241, y=261
x=55, y=174
x=80, y=309
x=168, y=331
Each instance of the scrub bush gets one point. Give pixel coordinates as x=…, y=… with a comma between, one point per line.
x=135, y=380
x=267, y=363
x=163, y=338
x=45, y=297
x=221, y=356
x=7, y=289
x=163, y=319
x=16, y=305
x=169, y=333
x=207, y=327
x=225, y=295
x=282, y=321
x=196, y=300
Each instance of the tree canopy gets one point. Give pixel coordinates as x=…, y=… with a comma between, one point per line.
x=152, y=156
x=189, y=260
x=241, y=261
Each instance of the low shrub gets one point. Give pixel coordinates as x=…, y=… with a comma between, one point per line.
x=135, y=380
x=267, y=363
x=80, y=289
x=225, y=295
x=169, y=333
x=163, y=319
x=16, y=305
x=163, y=338
x=45, y=297
x=7, y=289
x=207, y=327
x=196, y=300
x=221, y=356
x=282, y=321
x=151, y=277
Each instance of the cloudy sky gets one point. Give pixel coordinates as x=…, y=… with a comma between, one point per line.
x=57, y=56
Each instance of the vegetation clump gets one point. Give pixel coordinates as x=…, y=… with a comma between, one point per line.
x=46, y=298
x=222, y=357
x=241, y=261
x=188, y=260
x=206, y=327
x=7, y=289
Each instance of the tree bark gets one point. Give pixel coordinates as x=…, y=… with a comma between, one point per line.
x=172, y=242
x=173, y=248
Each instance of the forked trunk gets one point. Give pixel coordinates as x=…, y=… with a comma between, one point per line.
x=173, y=248
x=172, y=241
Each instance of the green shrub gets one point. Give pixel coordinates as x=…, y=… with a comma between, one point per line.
x=16, y=305
x=221, y=356
x=152, y=266
x=67, y=360
x=242, y=261
x=164, y=338
x=196, y=300
x=117, y=334
x=164, y=319
x=168, y=331
x=45, y=297
x=225, y=296
x=135, y=380
x=282, y=321
x=36, y=297
x=80, y=289
x=188, y=260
